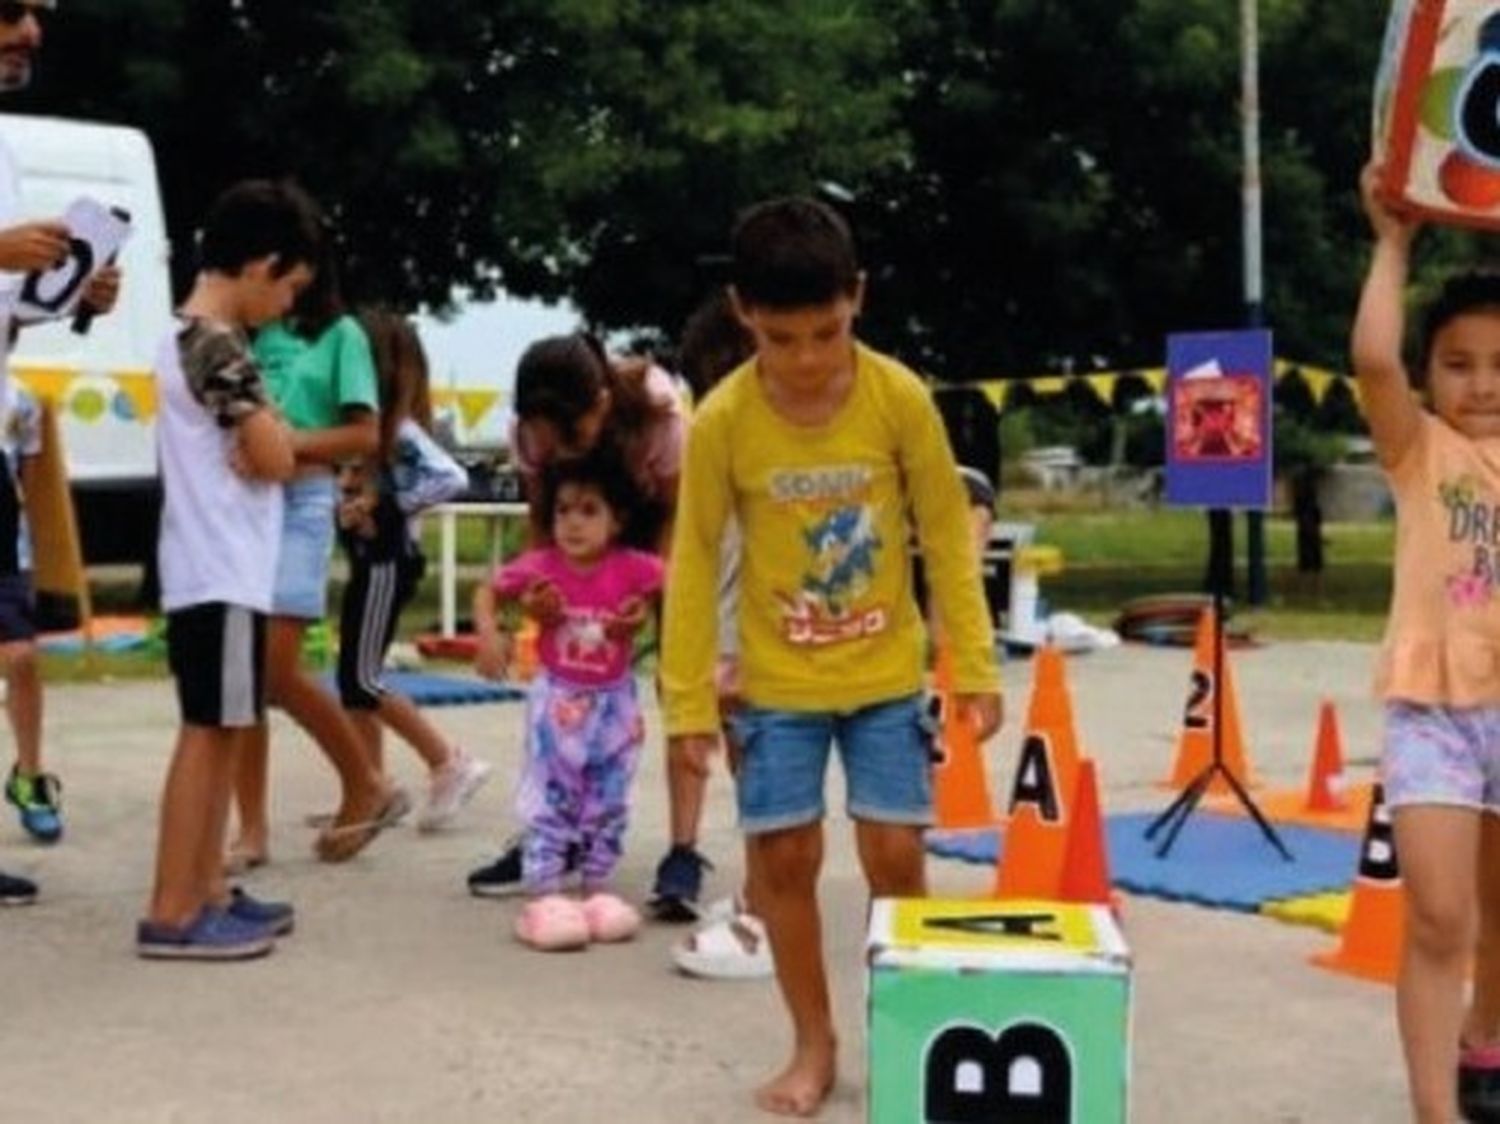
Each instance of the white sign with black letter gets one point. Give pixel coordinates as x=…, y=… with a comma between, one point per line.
x=95, y=235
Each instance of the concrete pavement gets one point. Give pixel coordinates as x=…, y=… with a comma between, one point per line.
x=400, y=998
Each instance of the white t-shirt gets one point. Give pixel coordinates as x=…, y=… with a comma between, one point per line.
x=20, y=438
x=219, y=531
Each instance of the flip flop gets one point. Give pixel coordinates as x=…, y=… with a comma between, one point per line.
x=341, y=843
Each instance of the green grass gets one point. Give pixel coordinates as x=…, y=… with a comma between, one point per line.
x=1109, y=558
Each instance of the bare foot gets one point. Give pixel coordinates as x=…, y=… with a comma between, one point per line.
x=801, y=1088
x=245, y=854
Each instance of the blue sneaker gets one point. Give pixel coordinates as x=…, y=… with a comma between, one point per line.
x=213, y=935
x=679, y=881
x=16, y=891
x=39, y=800
x=279, y=918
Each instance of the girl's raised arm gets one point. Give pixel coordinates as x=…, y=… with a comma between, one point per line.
x=1385, y=389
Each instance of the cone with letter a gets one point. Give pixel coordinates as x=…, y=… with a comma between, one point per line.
x=1370, y=947
x=960, y=790
x=1195, y=744
x=1085, y=872
x=1036, y=836
x=1051, y=710
x=1325, y=781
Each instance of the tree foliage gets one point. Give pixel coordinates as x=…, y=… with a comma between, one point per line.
x=591, y=149
x=1039, y=184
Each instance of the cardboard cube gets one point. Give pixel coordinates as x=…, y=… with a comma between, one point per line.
x=997, y=1011
x=1437, y=111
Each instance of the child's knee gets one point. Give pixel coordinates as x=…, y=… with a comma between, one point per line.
x=1438, y=930
x=788, y=860
x=19, y=657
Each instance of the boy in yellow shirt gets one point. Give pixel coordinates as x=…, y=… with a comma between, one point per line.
x=825, y=452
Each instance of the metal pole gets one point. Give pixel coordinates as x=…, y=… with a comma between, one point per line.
x=1254, y=284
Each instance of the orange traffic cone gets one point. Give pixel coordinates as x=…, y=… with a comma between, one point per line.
x=1036, y=837
x=1195, y=745
x=1325, y=781
x=1051, y=709
x=1371, y=944
x=1085, y=872
x=960, y=790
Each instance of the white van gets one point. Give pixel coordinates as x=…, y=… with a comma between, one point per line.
x=101, y=382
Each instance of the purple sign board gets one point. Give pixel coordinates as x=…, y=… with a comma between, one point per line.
x=1219, y=419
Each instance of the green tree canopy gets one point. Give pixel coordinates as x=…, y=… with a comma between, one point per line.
x=1038, y=184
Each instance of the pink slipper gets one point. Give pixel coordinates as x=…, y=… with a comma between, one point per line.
x=553, y=924
x=610, y=919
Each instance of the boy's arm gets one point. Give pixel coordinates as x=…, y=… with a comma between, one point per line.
x=689, y=629
x=224, y=379
x=940, y=507
x=1385, y=390
x=265, y=445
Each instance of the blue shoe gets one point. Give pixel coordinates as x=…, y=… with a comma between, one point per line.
x=39, y=801
x=213, y=935
x=679, y=882
x=279, y=918
x=16, y=891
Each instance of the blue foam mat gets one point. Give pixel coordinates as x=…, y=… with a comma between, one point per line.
x=1219, y=861
x=443, y=690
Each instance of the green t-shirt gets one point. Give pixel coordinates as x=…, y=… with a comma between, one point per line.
x=312, y=382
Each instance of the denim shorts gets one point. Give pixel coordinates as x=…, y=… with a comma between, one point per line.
x=307, y=532
x=885, y=748
x=1442, y=755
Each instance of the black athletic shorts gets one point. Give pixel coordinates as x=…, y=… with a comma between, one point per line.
x=217, y=653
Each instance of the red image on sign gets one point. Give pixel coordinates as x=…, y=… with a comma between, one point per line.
x=1217, y=418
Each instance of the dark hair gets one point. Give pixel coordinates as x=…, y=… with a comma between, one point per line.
x=559, y=379
x=792, y=253
x=322, y=302
x=401, y=374
x=255, y=219
x=599, y=470
x=714, y=342
x=1463, y=293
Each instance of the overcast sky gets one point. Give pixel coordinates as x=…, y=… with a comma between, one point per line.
x=479, y=346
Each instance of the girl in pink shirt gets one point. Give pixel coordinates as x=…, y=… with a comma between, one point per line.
x=1439, y=669
x=584, y=728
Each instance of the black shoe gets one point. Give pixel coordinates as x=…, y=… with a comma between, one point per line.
x=502, y=878
x=679, y=881
x=16, y=891
x=1479, y=1086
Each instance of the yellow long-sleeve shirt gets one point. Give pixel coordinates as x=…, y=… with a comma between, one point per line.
x=827, y=618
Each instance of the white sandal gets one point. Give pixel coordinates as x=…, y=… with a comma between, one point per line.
x=727, y=948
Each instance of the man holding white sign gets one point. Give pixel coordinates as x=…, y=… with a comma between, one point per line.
x=29, y=253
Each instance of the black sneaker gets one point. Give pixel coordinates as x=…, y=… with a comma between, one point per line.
x=16, y=891
x=679, y=881
x=502, y=878
x=1479, y=1084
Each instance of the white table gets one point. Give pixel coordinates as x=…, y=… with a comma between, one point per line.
x=448, y=515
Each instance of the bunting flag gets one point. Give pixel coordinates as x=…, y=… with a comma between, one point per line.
x=471, y=405
x=1103, y=384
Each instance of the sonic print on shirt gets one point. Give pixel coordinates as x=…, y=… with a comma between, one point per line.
x=842, y=549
